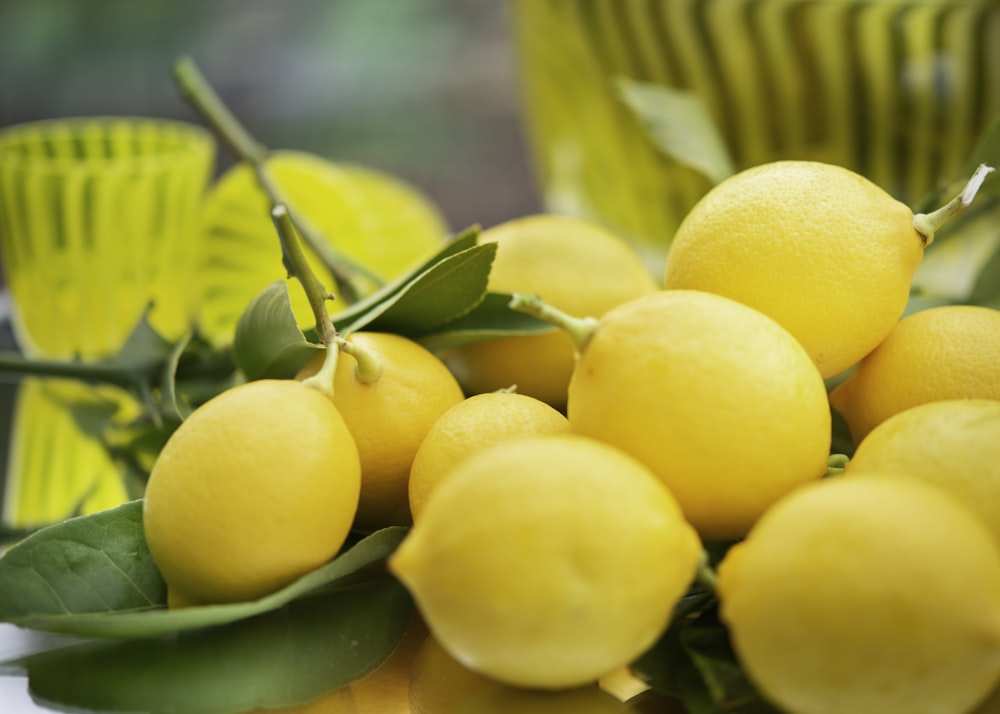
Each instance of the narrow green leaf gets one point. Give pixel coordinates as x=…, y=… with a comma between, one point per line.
x=358, y=313
x=679, y=125
x=447, y=290
x=268, y=342
x=94, y=563
x=93, y=576
x=490, y=319
x=305, y=650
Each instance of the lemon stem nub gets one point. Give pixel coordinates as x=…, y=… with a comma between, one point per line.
x=705, y=575
x=323, y=380
x=579, y=329
x=368, y=367
x=836, y=464
x=927, y=224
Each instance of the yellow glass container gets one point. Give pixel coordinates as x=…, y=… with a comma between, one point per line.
x=898, y=90
x=98, y=219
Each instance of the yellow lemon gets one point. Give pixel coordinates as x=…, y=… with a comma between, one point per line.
x=370, y=217
x=822, y=250
x=548, y=561
x=876, y=594
x=953, y=444
x=573, y=265
x=716, y=398
x=389, y=401
x=256, y=488
x=949, y=352
x=471, y=425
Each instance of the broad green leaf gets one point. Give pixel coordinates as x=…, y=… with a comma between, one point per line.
x=491, y=318
x=93, y=576
x=95, y=563
x=679, y=125
x=358, y=312
x=444, y=292
x=302, y=651
x=268, y=342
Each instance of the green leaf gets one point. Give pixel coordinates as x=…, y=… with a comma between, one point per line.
x=268, y=342
x=986, y=290
x=444, y=292
x=92, y=563
x=490, y=319
x=286, y=657
x=680, y=126
x=93, y=576
x=364, y=312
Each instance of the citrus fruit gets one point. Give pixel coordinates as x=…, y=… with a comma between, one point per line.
x=952, y=444
x=822, y=250
x=716, y=398
x=574, y=265
x=947, y=352
x=876, y=594
x=370, y=217
x=388, y=414
x=471, y=425
x=548, y=561
x=257, y=487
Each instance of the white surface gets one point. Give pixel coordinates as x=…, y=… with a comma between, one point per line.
x=15, y=642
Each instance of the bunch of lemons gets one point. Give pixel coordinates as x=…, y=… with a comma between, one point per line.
x=561, y=488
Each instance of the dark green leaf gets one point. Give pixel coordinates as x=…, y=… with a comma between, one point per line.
x=490, y=319
x=986, y=290
x=286, y=657
x=93, y=576
x=268, y=342
x=444, y=292
x=94, y=563
x=680, y=126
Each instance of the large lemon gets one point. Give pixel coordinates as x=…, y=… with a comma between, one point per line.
x=876, y=594
x=548, y=561
x=822, y=250
x=256, y=488
x=720, y=401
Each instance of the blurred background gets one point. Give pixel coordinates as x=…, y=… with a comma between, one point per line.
x=423, y=89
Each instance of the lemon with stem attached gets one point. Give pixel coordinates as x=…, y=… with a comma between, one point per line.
x=868, y=594
x=822, y=250
x=574, y=265
x=390, y=391
x=257, y=487
x=716, y=398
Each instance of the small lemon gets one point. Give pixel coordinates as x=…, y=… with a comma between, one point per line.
x=471, y=425
x=548, y=561
x=574, y=265
x=389, y=401
x=876, y=594
x=953, y=444
x=256, y=488
x=948, y=352
x=822, y=250
x=371, y=217
x=716, y=398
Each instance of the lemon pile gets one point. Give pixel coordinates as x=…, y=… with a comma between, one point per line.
x=561, y=490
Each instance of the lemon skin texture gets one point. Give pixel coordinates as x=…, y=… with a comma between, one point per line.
x=954, y=445
x=877, y=594
x=389, y=418
x=548, y=562
x=257, y=487
x=716, y=398
x=573, y=265
x=472, y=425
x=948, y=352
x=822, y=250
